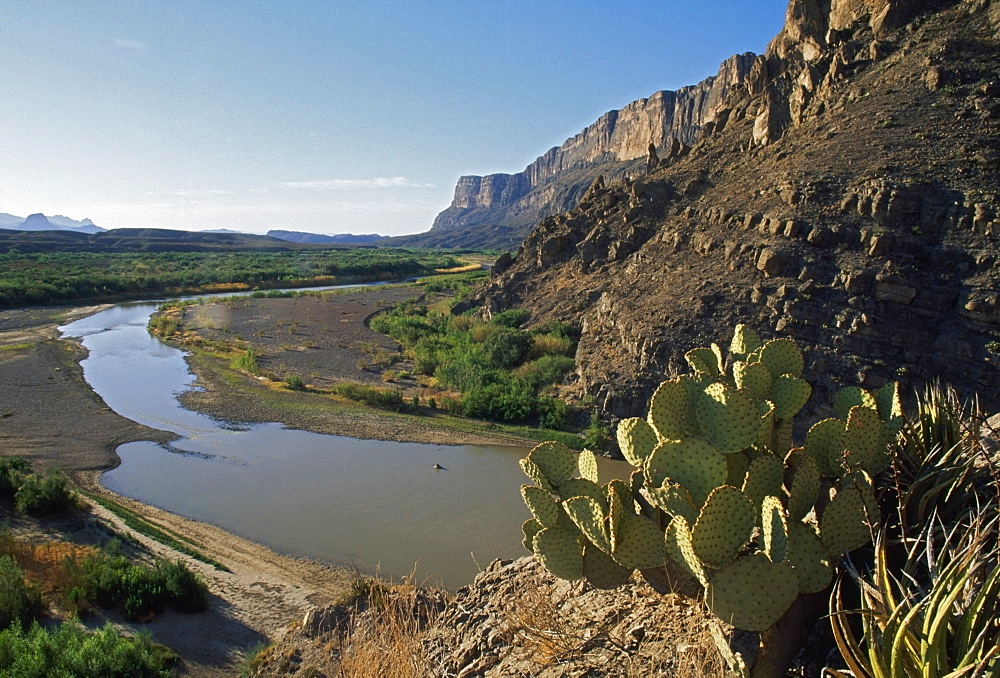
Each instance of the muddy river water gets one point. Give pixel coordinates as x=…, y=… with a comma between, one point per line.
x=373, y=504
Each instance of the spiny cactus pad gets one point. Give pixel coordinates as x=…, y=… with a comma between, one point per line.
x=804, y=485
x=825, y=441
x=532, y=470
x=745, y=341
x=560, y=552
x=668, y=410
x=789, y=395
x=753, y=379
x=586, y=464
x=865, y=438
x=704, y=361
x=737, y=465
x=589, y=517
x=753, y=592
x=693, y=463
x=852, y=396
x=808, y=557
x=639, y=543
x=764, y=478
x=677, y=539
x=530, y=528
x=783, y=437
x=844, y=525
x=782, y=356
x=541, y=504
x=774, y=529
x=602, y=571
x=728, y=418
x=765, y=408
x=578, y=487
x=673, y=498
x=556, y=461
x=723, y=527
x=636, y=438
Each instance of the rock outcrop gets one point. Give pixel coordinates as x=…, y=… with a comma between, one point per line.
x=849, y=200
x=499, y=209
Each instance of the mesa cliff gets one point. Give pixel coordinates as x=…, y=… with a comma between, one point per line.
x=498, y=210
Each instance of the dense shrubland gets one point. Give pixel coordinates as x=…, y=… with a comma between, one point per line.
x=41, y=278
x=503, y=373
x=33, y=494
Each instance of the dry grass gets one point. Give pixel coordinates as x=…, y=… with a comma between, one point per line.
x=42, y=564
x=385, y=640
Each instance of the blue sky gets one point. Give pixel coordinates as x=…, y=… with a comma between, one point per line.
x=341, y=116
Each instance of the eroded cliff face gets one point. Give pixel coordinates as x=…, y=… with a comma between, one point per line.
x=556, y=180
x=847, y=197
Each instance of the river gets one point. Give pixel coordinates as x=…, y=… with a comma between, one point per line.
x=375, y=505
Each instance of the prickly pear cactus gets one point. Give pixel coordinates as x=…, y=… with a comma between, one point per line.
x=721, y=488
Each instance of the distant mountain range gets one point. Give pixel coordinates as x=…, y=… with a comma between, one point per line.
x=40, y=222
x=316, y=238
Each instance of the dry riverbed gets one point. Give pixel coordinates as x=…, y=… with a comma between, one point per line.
x=51, y=417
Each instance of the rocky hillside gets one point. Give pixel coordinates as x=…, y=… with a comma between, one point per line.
x=498, y=210
x=846, y=195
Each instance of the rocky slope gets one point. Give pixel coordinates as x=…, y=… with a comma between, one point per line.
x=498, y=210
x=846, y=196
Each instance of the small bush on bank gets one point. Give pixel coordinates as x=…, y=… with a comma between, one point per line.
x=19, y=602
x=295, y=383
x=46, y=495
x=383, y=398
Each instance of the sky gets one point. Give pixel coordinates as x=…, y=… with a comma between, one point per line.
x=332, y=116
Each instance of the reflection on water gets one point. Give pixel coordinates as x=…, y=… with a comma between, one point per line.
x=369, y=503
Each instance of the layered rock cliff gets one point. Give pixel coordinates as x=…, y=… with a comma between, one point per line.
x=849, y=201
x=498, y=210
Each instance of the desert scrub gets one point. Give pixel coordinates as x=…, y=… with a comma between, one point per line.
x=19, y=602
x=36, y=495
x=382, y=398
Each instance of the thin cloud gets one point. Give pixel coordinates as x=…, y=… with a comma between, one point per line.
x=350, y=184
x=126, y=43
x=199, y=194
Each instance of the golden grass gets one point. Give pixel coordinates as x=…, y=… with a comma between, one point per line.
x=459, y=269
x=42, y=564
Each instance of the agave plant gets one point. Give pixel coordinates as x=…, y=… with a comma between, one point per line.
x=945, y=625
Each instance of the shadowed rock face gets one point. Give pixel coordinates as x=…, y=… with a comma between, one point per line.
x=846, y=196
x=557, y=179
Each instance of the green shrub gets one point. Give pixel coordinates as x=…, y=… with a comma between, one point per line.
x=595, y=436
x=551, y=344
x=510, y=400
x=295, y=383
x=246, y=361
x=545, y=371
x=18, y=601
x=514, y=317
x=507, y=347
x=47, y=495
x=384, y=398
x=552, y=412
x=68, y=650
x=12, y=472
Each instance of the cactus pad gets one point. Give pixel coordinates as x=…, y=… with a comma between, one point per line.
x=844, y=525
x=704, y=361
x=673, y=498
x=530, y=528
x=782, y=356
x=668, y=410
x=728, y=418
x=783, y=441
x=825, y=442
x=764, y=478
x=808, y=557
x=693, y=463
x=602, y=571
x=556, y=461
x=586, y=464
x=541, y=504
x=767, y=424
x=639, y=543
x=752, y=593
x=677, y=539
x=737, y=465
x=588, y=516
x=774, y=532
x=852, y=396
x=578, y=487
x=560, y=552
x=804, y=485
x=745, y=341
x=753, y=379
x=636, y=438
x=789, y=395
x=532, y=470
x=865, y=439
x=723, y=527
